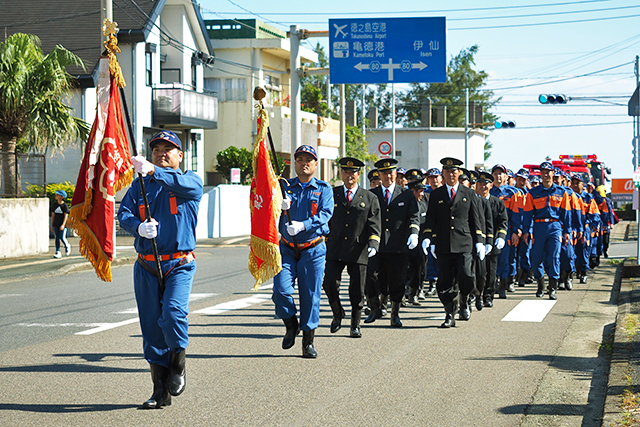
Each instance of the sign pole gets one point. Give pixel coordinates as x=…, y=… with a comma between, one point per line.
x=393, y=121
x=343, y=122
x=636, y=144
x=466, y=129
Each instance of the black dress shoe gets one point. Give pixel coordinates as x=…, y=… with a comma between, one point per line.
x=355, y=332
x=376, y=313
x=488, y=302
x=479, y=304
x=552, y=294
x=465, y=313
x=502, y=294
x=336, y=324
x=449, y=321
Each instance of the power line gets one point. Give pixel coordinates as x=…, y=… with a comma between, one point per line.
x=537, y=24
x=474, y=9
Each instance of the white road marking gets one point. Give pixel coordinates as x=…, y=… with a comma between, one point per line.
x=234, y=305
x=10, y=295
x=192, y=297
x=529, y=311
x=58, y=325
x=107, y=326
x=269, y=286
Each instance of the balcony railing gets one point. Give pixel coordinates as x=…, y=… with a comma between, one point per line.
x=175, y=104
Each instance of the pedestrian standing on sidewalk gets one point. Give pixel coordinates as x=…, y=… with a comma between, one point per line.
x=59, y=217
x=174, y=198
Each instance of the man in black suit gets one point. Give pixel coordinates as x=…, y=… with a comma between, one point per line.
x=417, y=258
x=400, y=226
x=454, y=229
x=354, y=236
x=500, y=221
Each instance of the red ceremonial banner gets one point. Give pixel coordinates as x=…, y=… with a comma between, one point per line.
x=106, y=168
x=266, y=201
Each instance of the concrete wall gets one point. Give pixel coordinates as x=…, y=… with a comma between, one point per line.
x=24, y=227
x=224, y=212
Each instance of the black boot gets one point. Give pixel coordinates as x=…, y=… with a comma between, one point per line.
x=307, y=344
x=376, y=312
x=432, y=288
x=479, y=302
x=160, y=396
x=540, y=290
x=413, y=297
x=384, y=299
x=355, y=324
x=293, y=329
x=563, y=278
x=502, y=288
x=553, y=284
x=569, y=282
x=522, y=277
x=338, y=315
x=583, y=277
x=510, y=287
x=395, y=315
x=177, y=376
x=450, y=317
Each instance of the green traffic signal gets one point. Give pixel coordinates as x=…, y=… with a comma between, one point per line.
x=552, y=99
x=504, y=125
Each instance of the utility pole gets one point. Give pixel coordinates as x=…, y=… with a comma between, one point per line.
x=393, y=121
x=466, y=129
x=294, y=65
x=636, y=143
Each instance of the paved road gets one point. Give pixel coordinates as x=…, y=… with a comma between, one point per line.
x=70, y=354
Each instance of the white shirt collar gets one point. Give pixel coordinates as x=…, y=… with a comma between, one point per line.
x=391, y=188
x=353, y=190
x=455, y=188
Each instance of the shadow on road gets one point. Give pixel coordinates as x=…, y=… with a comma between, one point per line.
x=39, y=407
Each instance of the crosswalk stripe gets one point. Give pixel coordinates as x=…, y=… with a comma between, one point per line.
x=529, y=311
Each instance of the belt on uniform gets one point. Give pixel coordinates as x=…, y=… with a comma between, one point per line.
x=185, y=258
x=303, y=246
x=546, y=220
x=165, y=257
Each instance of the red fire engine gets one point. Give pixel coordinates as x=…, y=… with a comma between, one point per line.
x=588, y=166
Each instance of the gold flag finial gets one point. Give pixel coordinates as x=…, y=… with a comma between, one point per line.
x=110, y=29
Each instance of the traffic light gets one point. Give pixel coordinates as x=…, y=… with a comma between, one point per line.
x=509, y=124
x=552, y=99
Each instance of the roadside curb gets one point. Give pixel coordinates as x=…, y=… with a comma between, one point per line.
x=621, y=372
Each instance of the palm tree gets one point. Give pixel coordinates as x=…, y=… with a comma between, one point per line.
x=32, y=86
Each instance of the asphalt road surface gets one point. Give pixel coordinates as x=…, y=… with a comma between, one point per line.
x=71, y=354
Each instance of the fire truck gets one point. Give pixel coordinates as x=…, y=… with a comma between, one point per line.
x=591, y=169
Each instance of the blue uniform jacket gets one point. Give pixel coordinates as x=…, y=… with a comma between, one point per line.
x=547, y=203
x=313, y=206
x=511, y=197
x=174, y=199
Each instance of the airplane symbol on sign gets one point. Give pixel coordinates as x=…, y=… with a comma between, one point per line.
x=405, y=66
x=339, y=30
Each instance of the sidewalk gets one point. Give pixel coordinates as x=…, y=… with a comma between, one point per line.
x=45, y=265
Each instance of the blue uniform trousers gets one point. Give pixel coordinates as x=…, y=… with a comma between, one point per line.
x=502, y=269
x=582, y=254
x=546, y=248
x=567, y=257
x=432, y=267
x=524, y=251
x=309, y=271
x=163, y=321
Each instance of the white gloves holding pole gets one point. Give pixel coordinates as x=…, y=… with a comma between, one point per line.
x=148, y=229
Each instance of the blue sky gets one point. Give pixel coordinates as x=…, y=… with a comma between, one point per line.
x=588, y=54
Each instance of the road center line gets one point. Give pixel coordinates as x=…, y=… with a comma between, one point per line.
x=529, y=311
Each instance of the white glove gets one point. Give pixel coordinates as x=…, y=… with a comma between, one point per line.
x=425, y=245
x=487, y=249
x=480, y=250
x=295, y=227
x=433, y=251
x=499, y=243
x=372, y=252
x=286, y=204
x=413, y=241
x=148, y=229
x=142, y=165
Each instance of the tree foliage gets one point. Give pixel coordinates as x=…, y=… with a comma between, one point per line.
x=234, y=157
x=33, y=86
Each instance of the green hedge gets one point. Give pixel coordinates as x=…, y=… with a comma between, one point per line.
x=36, y=191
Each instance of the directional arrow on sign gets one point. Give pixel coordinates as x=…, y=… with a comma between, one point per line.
x=406, y=66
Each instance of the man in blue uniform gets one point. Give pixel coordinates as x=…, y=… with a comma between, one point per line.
x=547, y=208
x=174, y=198
x=310, y=203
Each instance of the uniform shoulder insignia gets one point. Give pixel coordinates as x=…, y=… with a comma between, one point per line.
x=464, y=199
x=362, y=205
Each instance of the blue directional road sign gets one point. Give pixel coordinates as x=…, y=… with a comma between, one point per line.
x=387, y=50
